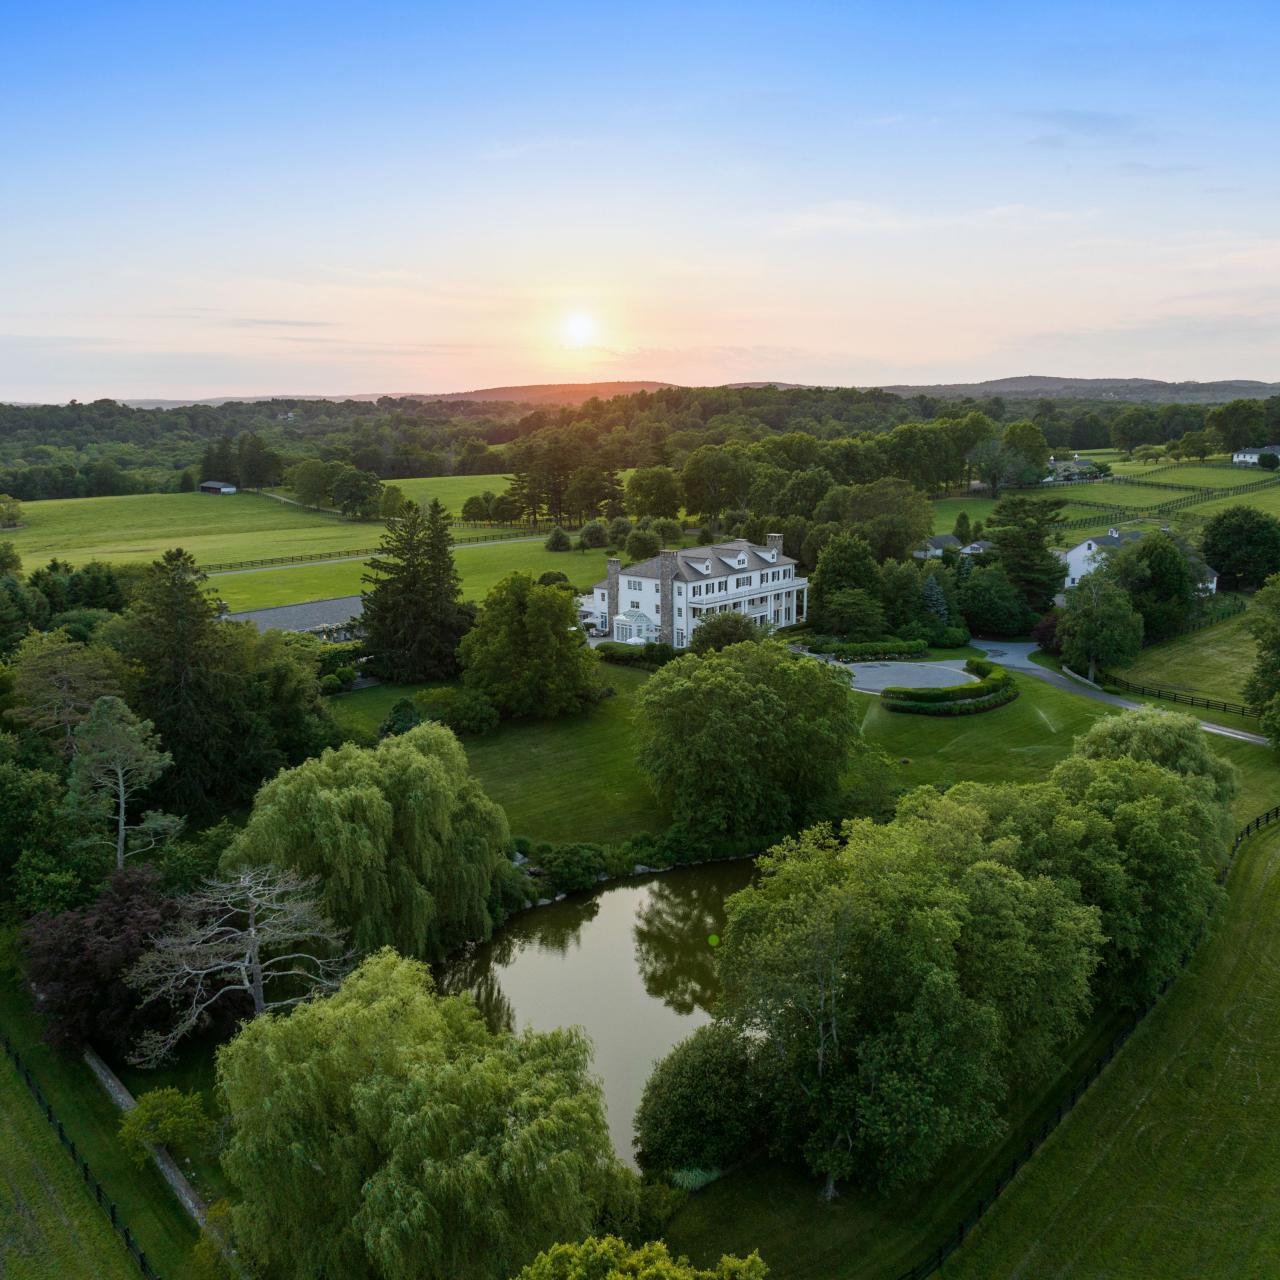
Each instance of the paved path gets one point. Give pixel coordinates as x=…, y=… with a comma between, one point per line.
x=302, y=617
x=872, y=677
x=1016, y=655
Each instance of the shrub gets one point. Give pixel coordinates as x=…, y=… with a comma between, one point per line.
x=1269, y=461
x=346, y=676
x=1045, y=632
x=668, y=531
x=642, y=544
x=593, y=535
x=619, y=527
x=703, y=1105
x=558, y=540
x=403, y=716
x=330, y=685
x=334, y=656
x=165, y=1117
x=652, y=655
x=552, y=578
x=950, y=637
x=461, y=709
x=570, y=867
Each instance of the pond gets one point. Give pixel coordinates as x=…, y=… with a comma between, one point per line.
x=630, y=963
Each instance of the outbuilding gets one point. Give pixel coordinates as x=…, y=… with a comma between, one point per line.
x=216, y=486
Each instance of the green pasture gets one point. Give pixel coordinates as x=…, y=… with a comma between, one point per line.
x=481, y=565
x=1169, y=1165
x=1207, y=477
x=50, y=1227
x=55, y=1229
x=1213, y=662
x=244, y=526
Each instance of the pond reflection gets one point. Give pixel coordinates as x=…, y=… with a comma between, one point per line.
x=630, y=964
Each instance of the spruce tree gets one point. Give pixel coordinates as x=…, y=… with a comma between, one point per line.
x=413, y=611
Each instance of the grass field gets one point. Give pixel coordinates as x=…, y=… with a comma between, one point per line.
x=1213, y=662
x=144, y=1201
x=570, y=779
x=50, y=1227
x=861, y=1237
x=1208, y=477
x=1169, y=1166
x=245, y=526
x=481, y=565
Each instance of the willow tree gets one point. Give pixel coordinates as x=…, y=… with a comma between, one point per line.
x=409, y=849
x=385, y=1131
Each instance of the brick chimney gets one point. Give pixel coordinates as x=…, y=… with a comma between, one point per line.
x=613, y=568
x=666, y=595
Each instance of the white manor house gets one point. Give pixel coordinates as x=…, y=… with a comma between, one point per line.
x=665, y=598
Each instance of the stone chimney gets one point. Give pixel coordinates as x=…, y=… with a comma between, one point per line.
x=667, y=596
x=613, y=568
x=774, y=543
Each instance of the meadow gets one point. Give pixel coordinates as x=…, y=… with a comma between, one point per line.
x=480, y=565
x=55, y=1231
x=1213, y=662
x=244, y=526
x=52, y=1229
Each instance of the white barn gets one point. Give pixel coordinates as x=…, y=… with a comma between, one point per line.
x=1086, y=556
x=1249, y=457
x=666, y=597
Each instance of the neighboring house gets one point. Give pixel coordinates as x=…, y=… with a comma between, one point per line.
x=216, y=486
x=1086, y=556
x=1249, y=457
x=665, y=598
x=979, y=548
x=936, y=545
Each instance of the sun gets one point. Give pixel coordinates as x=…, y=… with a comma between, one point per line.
x=579, y=329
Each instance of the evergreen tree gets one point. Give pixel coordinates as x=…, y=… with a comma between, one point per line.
x=413, y=611
x=935, y=599
x=1021, y=529
x=962, y=531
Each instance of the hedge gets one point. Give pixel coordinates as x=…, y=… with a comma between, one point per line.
x=988, y=703
x=652, y=654
x=993, y=681
x=867, y=650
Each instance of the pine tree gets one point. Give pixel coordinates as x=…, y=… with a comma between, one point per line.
x=962, y=531
x=935, y=599
x=413, y=611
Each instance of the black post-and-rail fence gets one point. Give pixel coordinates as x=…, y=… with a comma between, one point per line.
x=93, y=1187
x=1186, y=699
x=933, y=1263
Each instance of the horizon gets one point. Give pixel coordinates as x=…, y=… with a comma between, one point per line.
x=224, y=205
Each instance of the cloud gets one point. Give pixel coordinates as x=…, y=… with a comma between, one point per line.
x=858, y=217
x=267, y=322
x=1073, y=127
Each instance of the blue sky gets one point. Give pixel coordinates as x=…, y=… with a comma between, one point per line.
x=244, y=199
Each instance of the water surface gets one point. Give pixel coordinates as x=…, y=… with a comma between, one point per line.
x=630, y=963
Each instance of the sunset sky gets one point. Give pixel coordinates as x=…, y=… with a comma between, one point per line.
x=277, y=198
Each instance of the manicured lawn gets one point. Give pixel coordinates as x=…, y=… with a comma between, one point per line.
x=1169, y=1166
x=945, y=511
x=50, y=1227
x=1267, y=500
x=568, y=779
x=862, y=1237
x=245, y=526
x=481, y=565
x=1213, y=662
x=144, y=1201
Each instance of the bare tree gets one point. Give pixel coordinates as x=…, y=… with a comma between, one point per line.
x=259, y=932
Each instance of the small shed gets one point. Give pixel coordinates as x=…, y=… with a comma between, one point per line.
x=216, y=486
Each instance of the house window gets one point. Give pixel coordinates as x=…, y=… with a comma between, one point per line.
x=739, y=583
x=635, y=604
x=634, y=584
x=679, y=639
x=697, y=591
x=679, y=612
x=724, y=584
